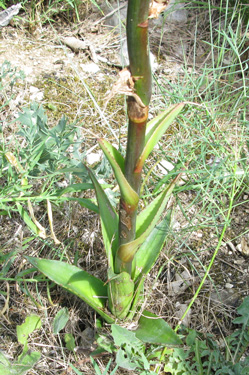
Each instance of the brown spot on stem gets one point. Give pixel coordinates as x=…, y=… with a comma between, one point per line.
x=125, y=85
x=125, y=219
x=127, y=207
x=123, y=234
x=136, y=113
x=144, y=24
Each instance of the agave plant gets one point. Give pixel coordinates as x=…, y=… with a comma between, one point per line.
x=132, y=239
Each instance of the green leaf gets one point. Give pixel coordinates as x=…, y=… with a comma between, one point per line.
x=122, y=336
x=6, y=370
x=78, y=372
x=138, y=296
x=98, y=370
x=112, y=152
x=3, y=360
x=120, y=293
x=86, y=203
x=125, y=361
x=151, y=214
x=25, y=216
x=6, y=261
x=70, y=342
x=109, y=221
x=155, y=130
x=149, y=251
x=79, y=282
x=60, y=320
x=130, y=354
x=146, y=221
x=154, y=330
x=74, y=188
x=243, y=310
x=25, y=362
x=128, y=194
x=104, y=344
x=31, y=323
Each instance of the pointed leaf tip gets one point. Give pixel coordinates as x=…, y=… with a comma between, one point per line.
x=117, y=163
x=155, y=130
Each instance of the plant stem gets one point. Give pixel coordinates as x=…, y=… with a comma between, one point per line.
x=138, y=49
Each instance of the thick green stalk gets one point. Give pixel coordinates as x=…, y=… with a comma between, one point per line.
x=138, y=49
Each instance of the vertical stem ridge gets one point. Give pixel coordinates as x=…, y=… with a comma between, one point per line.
x=138, y=50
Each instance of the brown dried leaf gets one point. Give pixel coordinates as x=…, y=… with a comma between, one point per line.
x=41, y=229
x=157, y=7
x=124, y=85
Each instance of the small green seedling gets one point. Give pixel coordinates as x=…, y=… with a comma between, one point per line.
x=70, y=342
x=59, y=323
x=27, y=359
x=60, y=320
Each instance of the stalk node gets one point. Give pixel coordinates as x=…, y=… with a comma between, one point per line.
x=144, y=24
x=137, y=114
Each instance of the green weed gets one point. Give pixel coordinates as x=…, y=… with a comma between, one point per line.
x=26, y=359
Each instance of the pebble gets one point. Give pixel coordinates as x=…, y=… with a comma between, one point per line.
x=165, y=166
x=35, y=94
x=228, y=286
x=93, y=157
x=90, y=68
x=239, y=261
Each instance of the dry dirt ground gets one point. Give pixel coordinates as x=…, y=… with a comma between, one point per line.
x=68, y=82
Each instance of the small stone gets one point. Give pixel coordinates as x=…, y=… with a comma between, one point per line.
x=62, y=184
x=228, y=286
x=243, y=247
x=93, y=157
x=36, y=94
x=239, y=261
x=90, y=68
x=165, y=166
x=75, y=229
